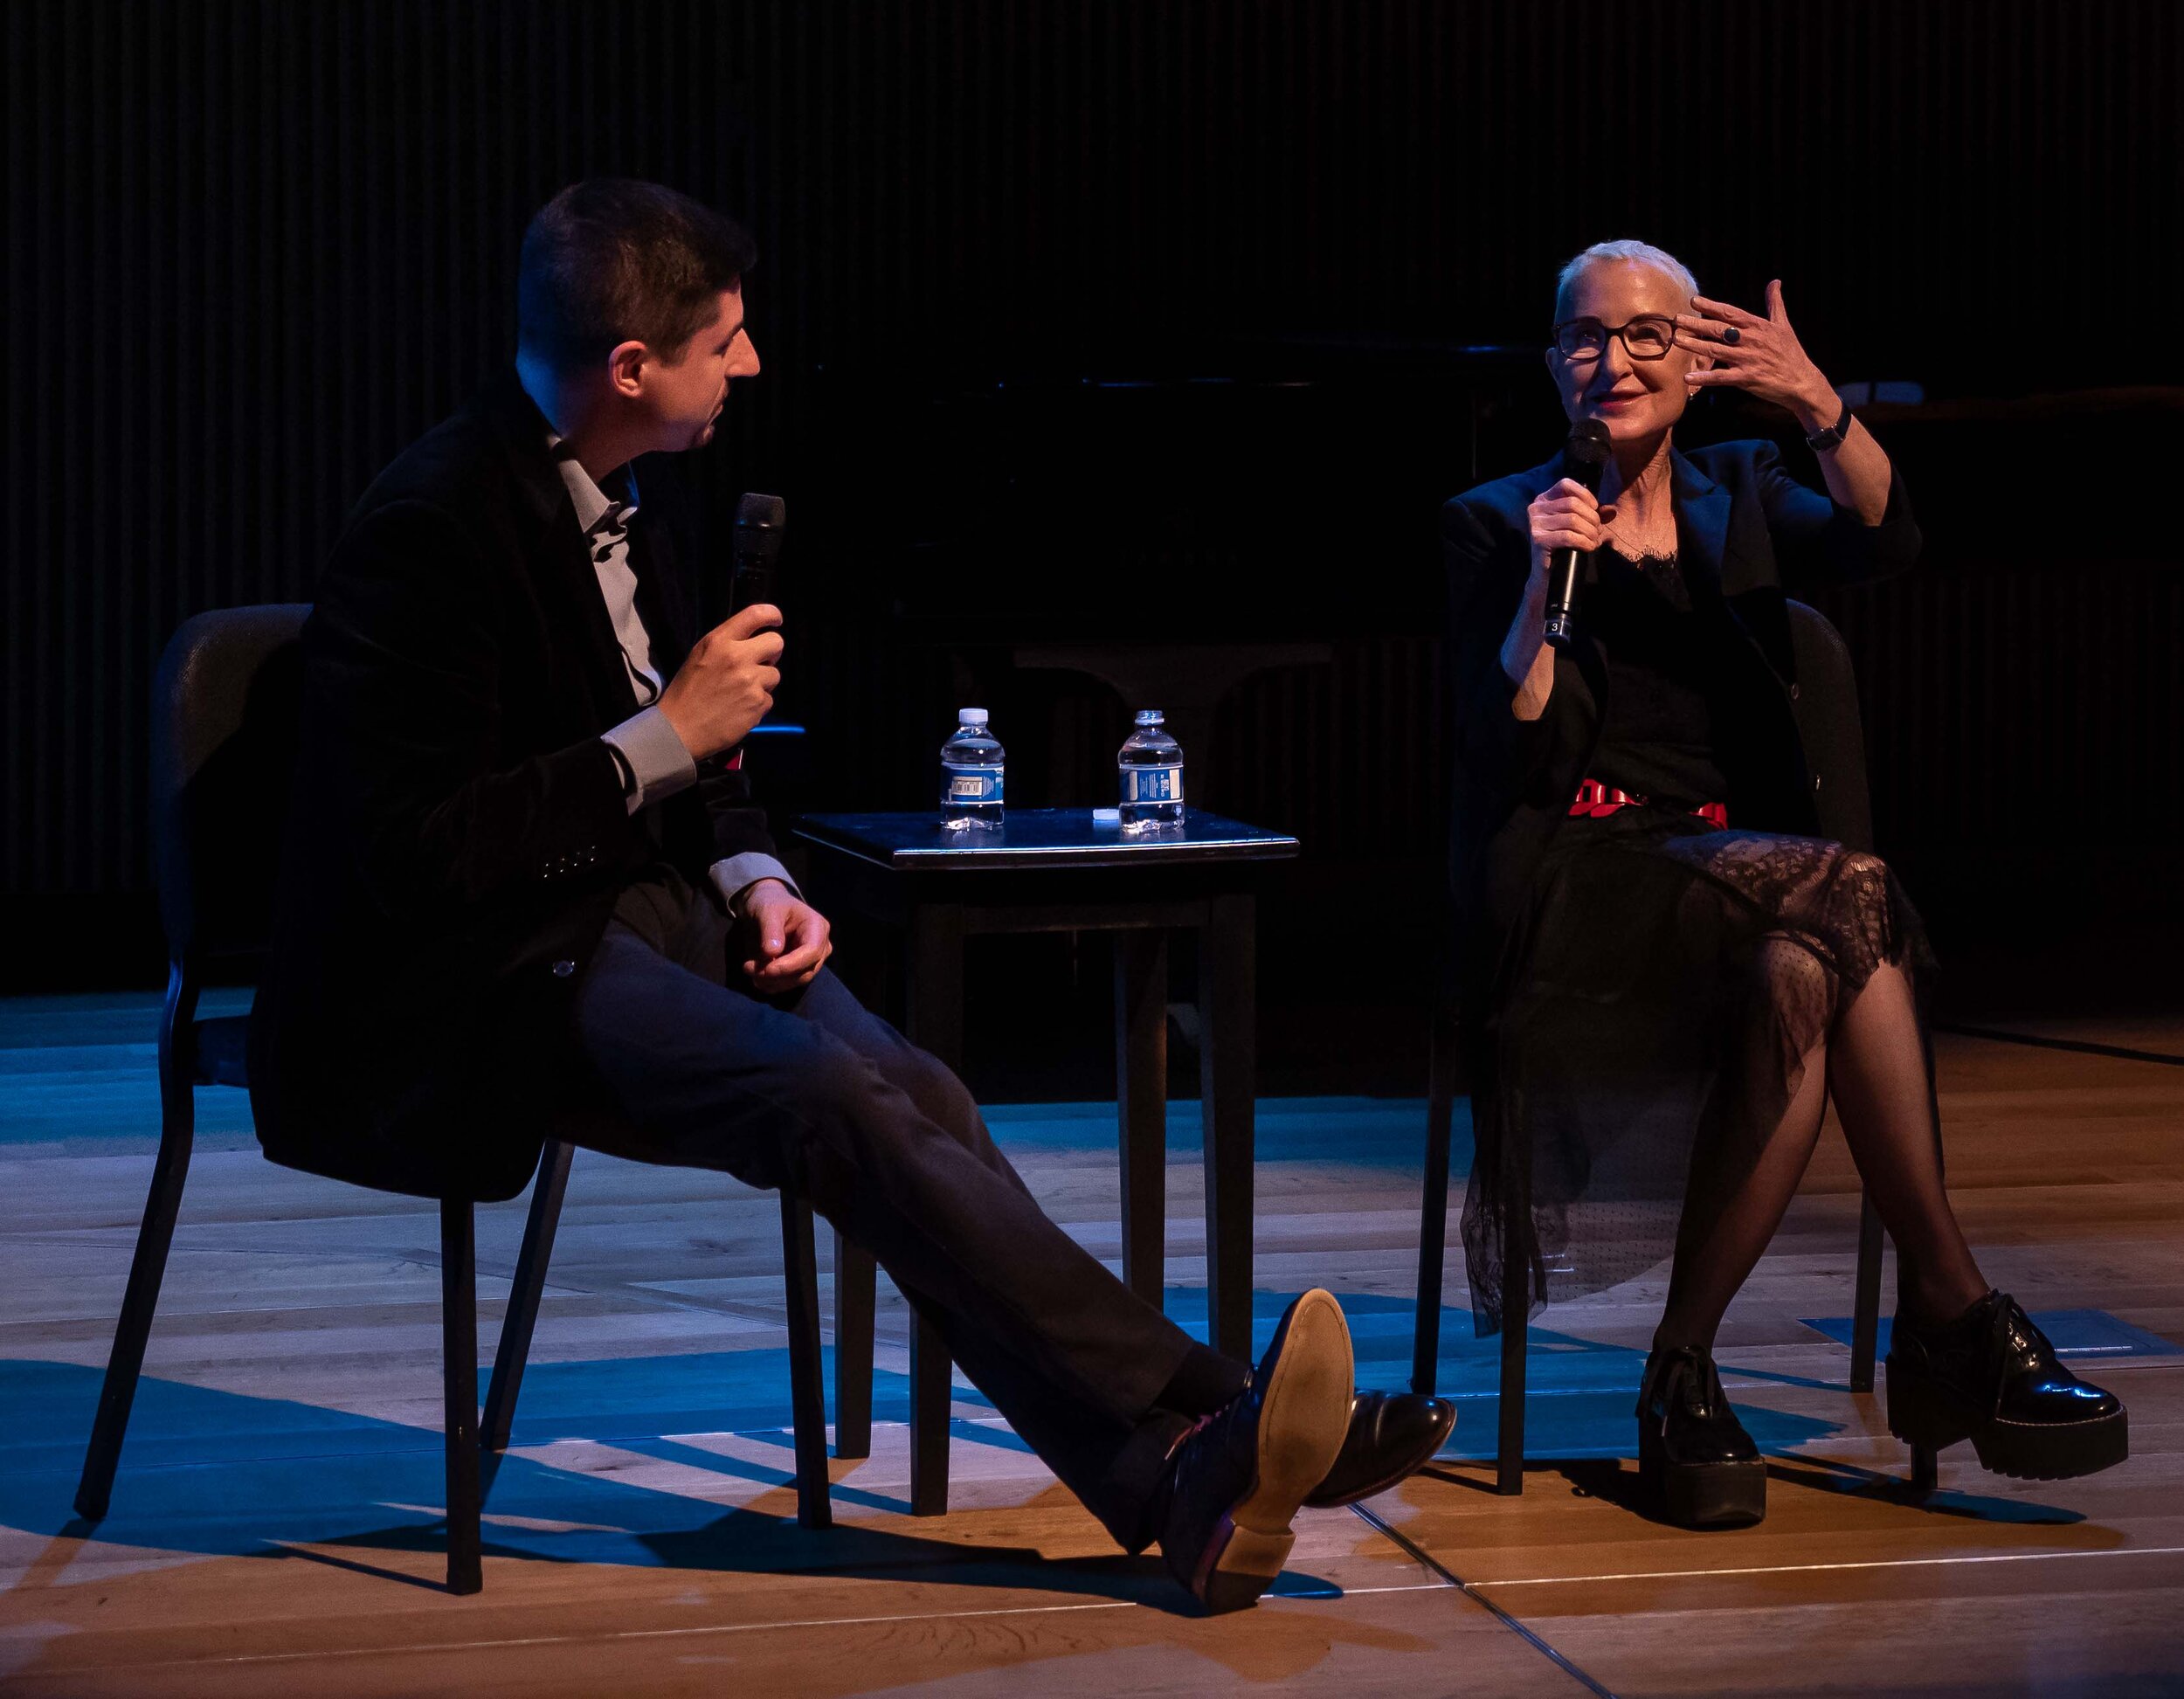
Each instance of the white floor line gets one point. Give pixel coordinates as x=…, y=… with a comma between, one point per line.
x=685, y=1632
x=1802, y=1569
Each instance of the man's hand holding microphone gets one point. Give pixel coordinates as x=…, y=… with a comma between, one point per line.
x=721, y=691
x=726, y=686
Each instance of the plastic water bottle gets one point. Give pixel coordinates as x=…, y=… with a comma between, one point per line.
x=971, y=776
x=1151, y=764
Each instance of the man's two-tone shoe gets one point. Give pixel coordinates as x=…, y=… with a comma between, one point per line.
x=1240, y=1475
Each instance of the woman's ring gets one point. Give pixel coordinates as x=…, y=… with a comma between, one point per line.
x=1732, y=335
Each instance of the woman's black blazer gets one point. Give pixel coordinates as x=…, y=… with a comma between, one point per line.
x=1748, y=535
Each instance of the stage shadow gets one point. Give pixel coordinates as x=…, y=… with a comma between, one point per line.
x=228, y=1474
x=1616, y=1482
x=1829, y=1475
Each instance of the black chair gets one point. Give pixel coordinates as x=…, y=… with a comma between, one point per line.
x=1825, y=699
x=224, y=725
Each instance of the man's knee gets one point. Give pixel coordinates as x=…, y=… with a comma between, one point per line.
x=919, y=1075
x=941, y=1097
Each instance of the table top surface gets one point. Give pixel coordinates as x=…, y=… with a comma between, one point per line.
x=1041, y=838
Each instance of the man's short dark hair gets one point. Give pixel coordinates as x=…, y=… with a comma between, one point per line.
x=612, y=260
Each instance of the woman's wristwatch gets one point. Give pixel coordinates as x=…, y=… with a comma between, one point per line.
x=1821, y=441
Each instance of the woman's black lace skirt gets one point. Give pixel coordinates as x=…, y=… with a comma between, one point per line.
x=1657, y=1000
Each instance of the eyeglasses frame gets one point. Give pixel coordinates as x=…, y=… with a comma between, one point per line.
x=1618, y=332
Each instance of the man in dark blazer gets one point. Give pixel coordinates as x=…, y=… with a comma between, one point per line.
x=526, y=895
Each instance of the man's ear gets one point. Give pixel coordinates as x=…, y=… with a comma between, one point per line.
x=625, y=368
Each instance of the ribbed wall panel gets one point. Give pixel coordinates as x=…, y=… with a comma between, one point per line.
x=253, y=248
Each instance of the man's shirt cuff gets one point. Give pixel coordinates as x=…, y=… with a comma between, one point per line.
x=737, y=874
x=649, y=744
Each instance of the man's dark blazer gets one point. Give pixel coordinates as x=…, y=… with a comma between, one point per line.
x=1748, y=535
x=459, y=831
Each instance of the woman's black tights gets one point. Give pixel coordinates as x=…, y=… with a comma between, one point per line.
x=1872, y=1054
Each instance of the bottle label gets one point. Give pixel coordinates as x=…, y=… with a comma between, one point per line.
x=971, y=785
x=1142, y=784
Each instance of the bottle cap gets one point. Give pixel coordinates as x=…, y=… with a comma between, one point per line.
x=971, y=716
x=1148, y=716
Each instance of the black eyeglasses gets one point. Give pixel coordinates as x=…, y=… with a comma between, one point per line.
x=1647, y=337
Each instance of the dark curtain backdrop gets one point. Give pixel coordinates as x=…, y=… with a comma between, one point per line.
x=253, y=249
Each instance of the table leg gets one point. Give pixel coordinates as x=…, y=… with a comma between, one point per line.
x=935, y=1002
x=1227, y=1069
x=935, y=1025
x=932, y=1397
x=1141, y=1097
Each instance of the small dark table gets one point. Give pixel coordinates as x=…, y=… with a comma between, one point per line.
x=1051, y=870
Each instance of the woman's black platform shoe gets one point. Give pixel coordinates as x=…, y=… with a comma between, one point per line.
x=1991, y=1376
x=1694, y=1455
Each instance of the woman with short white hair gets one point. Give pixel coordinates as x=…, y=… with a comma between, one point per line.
x=1673, y=965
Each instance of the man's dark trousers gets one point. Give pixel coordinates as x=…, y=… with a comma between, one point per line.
x=889, y=1147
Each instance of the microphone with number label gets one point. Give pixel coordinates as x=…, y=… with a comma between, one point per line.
x=760, y=521
x=1586, y=455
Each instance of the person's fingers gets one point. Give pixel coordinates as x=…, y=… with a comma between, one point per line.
x=749, y=621
x=787, y=974
x=1722, y=309
x=1695, y=330
x=1556, y=504
x=1776, y=312
x=1703, y=336
x=1715, y=377
x=805, y=958
x=767, y=648
x=772, y=922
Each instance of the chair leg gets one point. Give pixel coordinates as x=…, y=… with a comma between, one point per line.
x=808, y=1374
x=1433, y=1224
x=177, y=1134
x=930, y=1398
x=459, y=1369
x=1865, y=1318
x=855, y=1295
x=514, y=1350
x=1516, y=1279
x=1509, y=1454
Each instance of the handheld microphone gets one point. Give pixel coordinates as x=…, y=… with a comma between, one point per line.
x=1586, y=454
x=760, y=521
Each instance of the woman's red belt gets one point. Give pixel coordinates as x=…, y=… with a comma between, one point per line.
x=1596, y=801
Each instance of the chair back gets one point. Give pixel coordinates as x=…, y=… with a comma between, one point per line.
x=1833, y=730
x=225, y=703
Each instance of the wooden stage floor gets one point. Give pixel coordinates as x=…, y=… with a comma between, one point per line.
x=275, y=1525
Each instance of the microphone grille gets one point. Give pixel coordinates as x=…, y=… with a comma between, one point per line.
x=768, y=512
x=1588, y=445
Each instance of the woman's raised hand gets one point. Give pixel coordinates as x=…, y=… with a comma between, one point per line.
x=1761, y=355
x=1566, y=515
